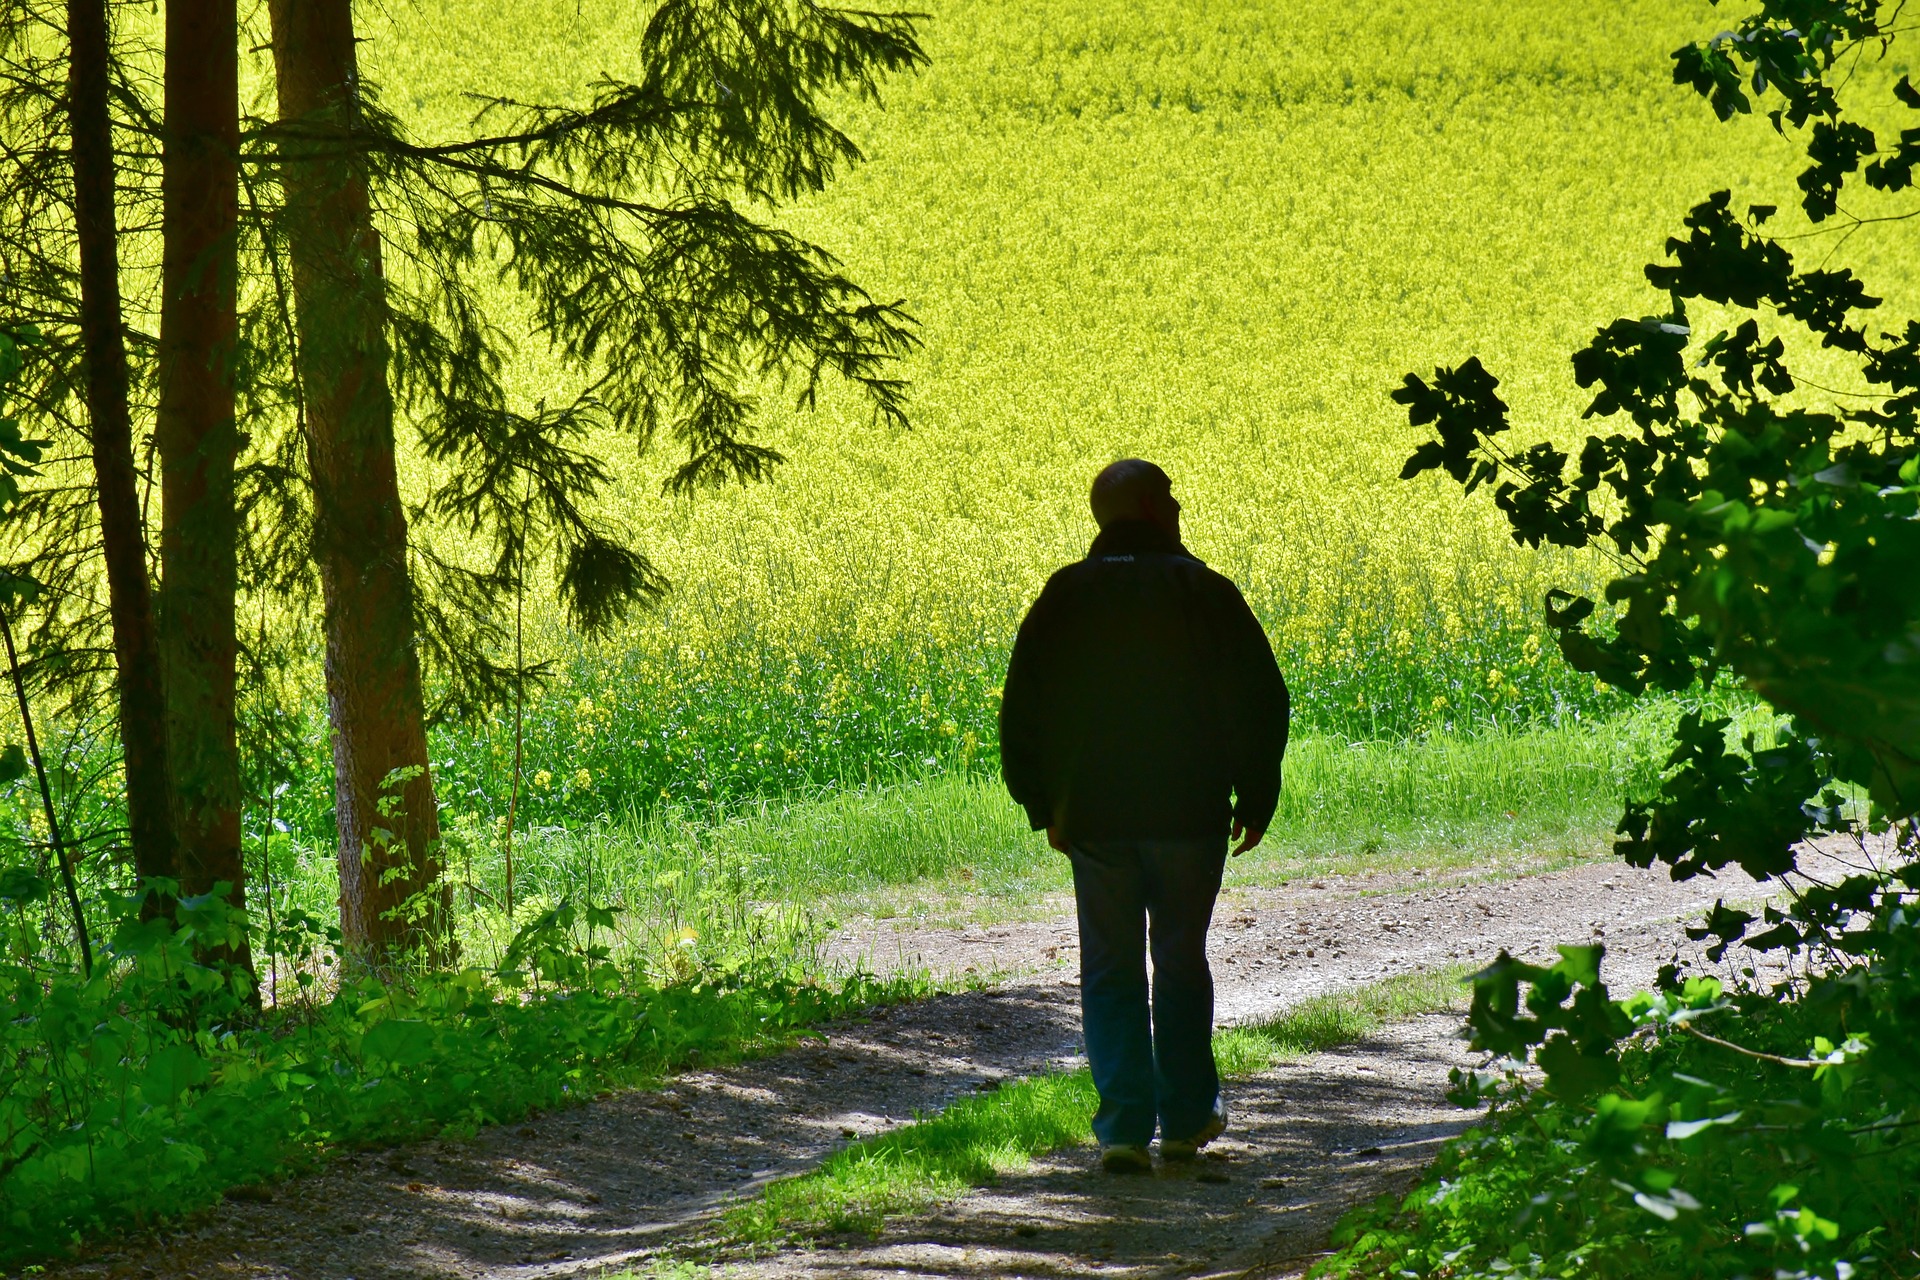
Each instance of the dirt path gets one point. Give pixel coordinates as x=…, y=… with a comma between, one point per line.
x=612, y=1182
x=1309, y=1139
x=1273, y=947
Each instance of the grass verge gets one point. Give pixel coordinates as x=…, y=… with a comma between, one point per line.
x=952, y=847
x=977, y=1139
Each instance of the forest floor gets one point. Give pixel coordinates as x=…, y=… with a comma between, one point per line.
x=636, y=1180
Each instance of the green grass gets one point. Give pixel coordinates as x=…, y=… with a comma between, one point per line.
x=1341, y=1017
x=953, y=845
x=979, y=1138
x=968, y=1145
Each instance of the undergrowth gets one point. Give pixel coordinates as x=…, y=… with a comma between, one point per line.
x=148, y=1089
x=1759, y=1126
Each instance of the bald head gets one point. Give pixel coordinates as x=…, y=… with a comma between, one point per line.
x=1135, y=489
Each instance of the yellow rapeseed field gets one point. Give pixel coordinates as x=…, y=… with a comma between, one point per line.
x=1214, y=233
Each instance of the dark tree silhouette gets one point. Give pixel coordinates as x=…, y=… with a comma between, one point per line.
x=123, y=537
x=197, y=436
x=388, y=823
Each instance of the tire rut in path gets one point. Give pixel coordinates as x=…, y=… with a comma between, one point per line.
x=616, y=1179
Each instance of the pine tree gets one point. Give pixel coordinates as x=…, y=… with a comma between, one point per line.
x=668, y=308
x=638, y=231
x=384, y=806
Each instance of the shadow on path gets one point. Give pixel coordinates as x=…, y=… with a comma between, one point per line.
x=1309, y=1139
x=592, y=1186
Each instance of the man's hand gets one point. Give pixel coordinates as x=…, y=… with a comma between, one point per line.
x=1245, y=835
x=1057, y=838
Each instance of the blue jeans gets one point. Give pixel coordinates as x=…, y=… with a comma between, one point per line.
x=1153, y=1064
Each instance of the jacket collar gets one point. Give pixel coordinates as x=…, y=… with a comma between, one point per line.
x=1137, y=538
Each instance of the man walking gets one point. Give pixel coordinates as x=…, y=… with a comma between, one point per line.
x=1142, y=727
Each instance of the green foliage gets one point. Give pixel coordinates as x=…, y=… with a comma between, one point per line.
x=1705, y=1129
x=731, y=725
x=150, y=1089
x=1759, y=538
x=1762, y=1124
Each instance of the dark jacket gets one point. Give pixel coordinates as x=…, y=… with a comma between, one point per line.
x=1141, y=696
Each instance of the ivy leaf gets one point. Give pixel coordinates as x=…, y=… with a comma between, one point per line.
x=1720, y=261
x=1577, y=609
x=1711, y=73
x=1581, y=964
x=1638, y=366
x=1835, y=150
x=1464, y=409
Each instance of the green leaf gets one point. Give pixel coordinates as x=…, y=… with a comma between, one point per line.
x=1581, y=963
x=404, y=1042
x=1573, y=1074
x=172, y=1071
x=17, y=884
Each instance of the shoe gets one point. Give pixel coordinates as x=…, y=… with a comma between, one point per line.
x=1188, y=1148
x=1125, y=1157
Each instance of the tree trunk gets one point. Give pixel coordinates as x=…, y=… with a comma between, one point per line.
x=136, y=647
x=392, y=895
x=197, y=436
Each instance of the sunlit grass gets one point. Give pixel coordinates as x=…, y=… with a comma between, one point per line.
x=1341, y=1017
x=777, y=873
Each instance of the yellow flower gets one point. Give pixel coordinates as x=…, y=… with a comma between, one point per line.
x=581, y=778
x=543, y=779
